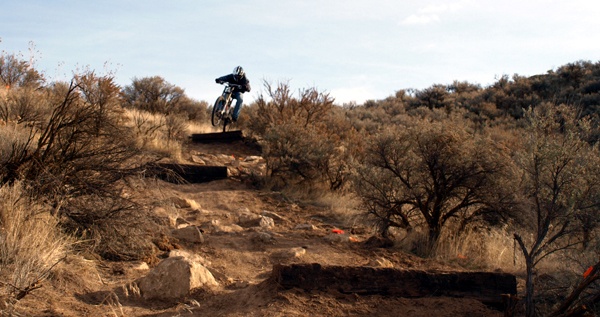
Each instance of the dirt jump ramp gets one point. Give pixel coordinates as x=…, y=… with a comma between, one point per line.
x=487, y=287
x=186, y=173
x=222, y=137
x=192, y=173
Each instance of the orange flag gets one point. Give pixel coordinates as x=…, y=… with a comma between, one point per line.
x=588, y=272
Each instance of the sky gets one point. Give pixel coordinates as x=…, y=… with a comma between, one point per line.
x=355, y=50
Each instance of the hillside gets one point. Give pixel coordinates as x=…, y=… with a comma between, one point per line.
x=241, y=258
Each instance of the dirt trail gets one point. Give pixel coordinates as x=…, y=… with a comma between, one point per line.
x=242, y=261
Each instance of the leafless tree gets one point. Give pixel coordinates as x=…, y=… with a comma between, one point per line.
x=431, y=173
x=560, y=181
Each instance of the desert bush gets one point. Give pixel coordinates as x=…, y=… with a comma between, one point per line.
x=123, y=235
x=560, y=181
x=156, y=133
x=15, y=72
x=298, y=138
x=431, y=174
x=23, y=105
x=77, y=156
x=30, y=245
x=175, y=129
x=153, y=94
x=193, y=110
x=146, y=126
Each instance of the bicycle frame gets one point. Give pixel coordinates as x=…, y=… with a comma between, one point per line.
x=227, y=95
x=222, y=107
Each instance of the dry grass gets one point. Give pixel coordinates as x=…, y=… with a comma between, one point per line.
x=202, y=127
x=151, y=132
x=477, y=249
x=492, y=248
x=30, y=245
x=13, y=140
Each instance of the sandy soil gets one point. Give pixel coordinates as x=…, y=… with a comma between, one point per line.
x=240, y=263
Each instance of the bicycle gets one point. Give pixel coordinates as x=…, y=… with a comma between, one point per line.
x=222, y=108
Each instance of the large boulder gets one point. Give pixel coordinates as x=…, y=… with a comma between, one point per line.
x=174, y=278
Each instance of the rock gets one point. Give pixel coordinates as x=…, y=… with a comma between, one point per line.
x=191, y=234
x=174, y=278
x=292, y=253
x=193, y=257
x=181, y=223
x=215, y=226
x=261, y=237
x=266, y=222
x=238, y=284
x=305, y=226
x=172, y=220
x=141, y=266
x=273, y=215
x=179, y=202
x=198, y=160
x=248, y=219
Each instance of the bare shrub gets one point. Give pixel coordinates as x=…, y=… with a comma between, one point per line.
x=23, y=106
x=77, y=157
x=146, y=126
x=478, y=247
x=125, y=236
x=157, y=133
x=15, y=72
x=193, y=110
x=430, y=173
x=175, y=128
x=153, y=94
x=30, y=245
x=298, y=138
x=560, y=181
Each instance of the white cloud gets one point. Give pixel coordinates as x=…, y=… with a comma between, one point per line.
x=354, y=94
x=432, y=13
x=421, y=19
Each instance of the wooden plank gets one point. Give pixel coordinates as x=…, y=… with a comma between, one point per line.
x=182, y=173
x=229, y=136
x=487, y=287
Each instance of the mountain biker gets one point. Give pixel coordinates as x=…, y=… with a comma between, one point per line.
x=237, y=77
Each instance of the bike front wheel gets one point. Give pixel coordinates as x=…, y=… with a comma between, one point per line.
x=215, y=118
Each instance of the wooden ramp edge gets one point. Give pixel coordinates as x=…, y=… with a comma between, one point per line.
x=186, y=173
x=228, y=136
x=488, y=287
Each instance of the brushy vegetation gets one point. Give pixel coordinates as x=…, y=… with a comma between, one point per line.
x=459, y=172
x=303, y=140
x=31, y=244
x=514, y=164
x=68, y=151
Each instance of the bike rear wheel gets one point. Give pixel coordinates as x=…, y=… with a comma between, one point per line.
x=215, y=118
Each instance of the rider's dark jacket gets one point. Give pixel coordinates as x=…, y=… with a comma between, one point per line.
x=242, y=81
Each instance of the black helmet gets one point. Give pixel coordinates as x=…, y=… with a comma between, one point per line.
x=238, y=71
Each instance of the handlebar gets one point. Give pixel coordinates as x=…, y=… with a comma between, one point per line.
x=230, y=84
